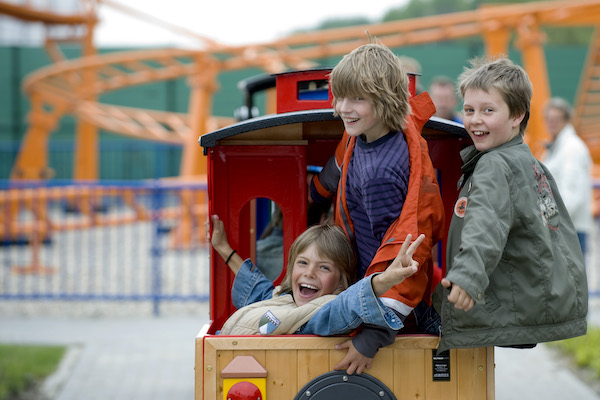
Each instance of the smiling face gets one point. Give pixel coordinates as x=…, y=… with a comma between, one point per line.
x=313, y=276
x=359, y=118
x=487, y=119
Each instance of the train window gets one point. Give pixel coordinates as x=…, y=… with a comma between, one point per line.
x=317, y=89
x=269, y=244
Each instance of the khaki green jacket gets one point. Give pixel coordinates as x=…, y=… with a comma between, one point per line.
x=513, y=248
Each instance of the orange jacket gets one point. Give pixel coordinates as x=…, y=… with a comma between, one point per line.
x=423, y=210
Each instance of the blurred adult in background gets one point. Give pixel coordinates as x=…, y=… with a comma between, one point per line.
x=412, y=66
x=568, y=159
x=443, y=94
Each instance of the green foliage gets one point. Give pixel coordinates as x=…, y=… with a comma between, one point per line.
x=332, y=23
x=584, y=350
x=424, y=8
x=22, y=366
x=568, y=35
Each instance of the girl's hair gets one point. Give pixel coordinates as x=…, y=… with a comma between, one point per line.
x=374, y=73
x=331, y=243
x=509, y=79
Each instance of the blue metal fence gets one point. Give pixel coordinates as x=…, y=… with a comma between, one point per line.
x=141, y=241
x=104, y=241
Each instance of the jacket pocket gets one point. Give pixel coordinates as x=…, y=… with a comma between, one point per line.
x=491, y=301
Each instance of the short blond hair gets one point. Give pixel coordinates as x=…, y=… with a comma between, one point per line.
x=375, y=73
x=509, y=79
x=331, y=243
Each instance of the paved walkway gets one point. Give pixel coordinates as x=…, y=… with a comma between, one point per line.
x=153, y=358
x=114, y=358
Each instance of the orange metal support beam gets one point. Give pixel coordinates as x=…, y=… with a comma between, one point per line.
x=203, y=86
x=86, y=141
x=496, y=41
x=530, y=42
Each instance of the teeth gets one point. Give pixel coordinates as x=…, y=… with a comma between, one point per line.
x=351, y=120
x=309, y=286
x=478, y=133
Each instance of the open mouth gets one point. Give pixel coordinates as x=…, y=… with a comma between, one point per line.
x=307, y=290
x=480, y=133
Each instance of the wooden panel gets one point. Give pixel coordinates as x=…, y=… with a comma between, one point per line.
x=282, y=132
x=415, y=342
x=224, y=357
x=281, y=379
x=293, y=361
x=311, y=363
x=335, y=357
x=471, y=373
x=209, y=369
x=441, y=389
x=296, y=342
x=409, y=373
x=490, y=368
x=383, y=367
x=199, y=369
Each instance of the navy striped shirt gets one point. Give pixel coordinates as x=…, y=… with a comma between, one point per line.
x=376, y=188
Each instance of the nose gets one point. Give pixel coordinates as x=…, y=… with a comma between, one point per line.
x=310, y=270
x=342, y=105
x=476, y=118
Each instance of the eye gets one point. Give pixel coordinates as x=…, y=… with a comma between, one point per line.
x=489, y=110
x=468, y=110
x=326, y=267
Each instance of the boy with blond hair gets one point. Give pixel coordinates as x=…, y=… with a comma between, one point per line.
x=385, y=182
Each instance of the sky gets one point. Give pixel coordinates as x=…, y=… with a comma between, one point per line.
x=230, y=22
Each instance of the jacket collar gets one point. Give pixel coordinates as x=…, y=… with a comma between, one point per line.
x=471, y=156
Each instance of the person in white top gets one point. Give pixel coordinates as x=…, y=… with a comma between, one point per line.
x=569, y=161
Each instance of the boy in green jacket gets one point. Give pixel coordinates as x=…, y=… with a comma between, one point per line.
x=516, y=274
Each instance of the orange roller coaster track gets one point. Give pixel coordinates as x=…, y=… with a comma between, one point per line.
x=73, y=86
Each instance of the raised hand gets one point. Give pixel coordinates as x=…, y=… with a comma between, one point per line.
x=401, y=268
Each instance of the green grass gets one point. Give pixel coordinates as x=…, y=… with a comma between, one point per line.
x=21, y=367
x=584, y=350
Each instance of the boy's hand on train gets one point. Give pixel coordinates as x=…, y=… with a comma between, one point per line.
x=461, y=299
x=354, y=360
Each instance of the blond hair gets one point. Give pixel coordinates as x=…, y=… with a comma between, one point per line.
x=374, y=73
x=331, y=243
x=509, y=79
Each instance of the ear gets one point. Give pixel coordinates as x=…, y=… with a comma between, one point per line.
x=517, y=120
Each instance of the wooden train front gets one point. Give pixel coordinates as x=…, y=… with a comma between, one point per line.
x=265, y=159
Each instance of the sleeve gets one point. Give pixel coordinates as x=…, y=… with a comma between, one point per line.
x=250, y=286
x=371, y=338
x=487, y=223
x=351, y=308
x=324, y=185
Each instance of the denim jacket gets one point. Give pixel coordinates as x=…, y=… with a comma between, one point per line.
x=348, y=310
